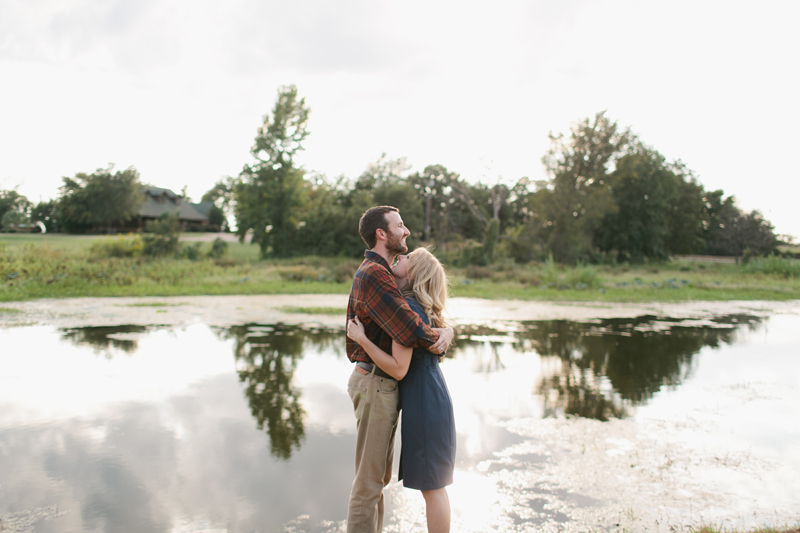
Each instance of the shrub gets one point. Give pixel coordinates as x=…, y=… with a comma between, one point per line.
x=191, y=252
x=162, y=236
x=526, y=277
x=773, y=265
x=130, y=245
x=583, y=273
x=478, y=272
x=218, y=249
x=160, y=245
x=300, y=273
x=550, y=271
x=345, y=271
x=472, y=253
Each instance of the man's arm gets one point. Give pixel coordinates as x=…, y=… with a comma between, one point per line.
x=392, y=314
x=446, y=335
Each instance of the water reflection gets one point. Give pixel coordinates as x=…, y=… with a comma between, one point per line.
x=103, y=338
x=250, y=428
x=598, y=369
x=266, y=360
x=610, y=364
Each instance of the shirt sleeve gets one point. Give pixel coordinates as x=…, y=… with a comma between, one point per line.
x=391, y=312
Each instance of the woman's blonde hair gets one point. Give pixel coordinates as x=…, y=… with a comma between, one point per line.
x=427, y=281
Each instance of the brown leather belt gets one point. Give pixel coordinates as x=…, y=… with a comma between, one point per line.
x=378, y=372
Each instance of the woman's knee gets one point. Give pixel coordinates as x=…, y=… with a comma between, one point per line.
x=435, y=494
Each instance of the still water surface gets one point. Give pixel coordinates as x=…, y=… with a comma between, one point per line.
x=249, y=428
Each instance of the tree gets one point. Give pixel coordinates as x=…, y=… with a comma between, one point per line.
x=46, y=212
x=687, y=218
x=735, y=233
x=100, y=199
x=329, y=224
x=15, y=210
x=221, y=195
x=389, y=183
x=643, y=189
x=270, y=190
x=578, y=195
x=459, y=210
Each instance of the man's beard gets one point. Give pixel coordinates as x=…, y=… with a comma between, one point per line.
x=395, y=245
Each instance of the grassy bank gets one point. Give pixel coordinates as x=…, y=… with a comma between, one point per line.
x=787, y=529
x=60, y=266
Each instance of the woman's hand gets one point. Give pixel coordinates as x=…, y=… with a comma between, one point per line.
x=355, y=330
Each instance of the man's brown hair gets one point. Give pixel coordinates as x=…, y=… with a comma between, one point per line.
x=372, y=220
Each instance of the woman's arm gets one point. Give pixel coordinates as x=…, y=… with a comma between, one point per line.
x=394, y=364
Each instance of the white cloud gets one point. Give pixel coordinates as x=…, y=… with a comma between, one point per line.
x=178, y=88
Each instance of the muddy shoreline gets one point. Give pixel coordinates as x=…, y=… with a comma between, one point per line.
x=265, y=309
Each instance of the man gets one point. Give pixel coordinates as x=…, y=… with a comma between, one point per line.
x=386, y=316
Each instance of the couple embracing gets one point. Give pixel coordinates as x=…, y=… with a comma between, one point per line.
x=395, y=336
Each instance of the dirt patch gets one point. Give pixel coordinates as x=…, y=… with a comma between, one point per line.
x=232, y=310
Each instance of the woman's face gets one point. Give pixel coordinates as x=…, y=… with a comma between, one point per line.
x=400, y=268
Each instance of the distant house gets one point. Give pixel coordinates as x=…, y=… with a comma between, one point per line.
x=157, y=201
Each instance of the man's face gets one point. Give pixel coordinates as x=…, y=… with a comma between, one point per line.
x=396, y=234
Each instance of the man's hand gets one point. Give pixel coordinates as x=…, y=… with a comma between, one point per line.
x=355, y=330
x=446, y=335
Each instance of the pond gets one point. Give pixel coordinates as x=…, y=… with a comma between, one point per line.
x=639, y=423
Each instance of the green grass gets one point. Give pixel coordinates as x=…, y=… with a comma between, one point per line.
x=314, y=310
x=782, y=529
x=668, y=282
x=61, y=266
x=154, y=304
x=55, y=241
x=9, y=310
x=775, y=265
x=31, y=270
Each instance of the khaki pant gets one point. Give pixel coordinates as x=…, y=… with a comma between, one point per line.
x=375, y=401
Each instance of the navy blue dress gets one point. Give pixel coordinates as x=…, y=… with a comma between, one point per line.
x=428, y=429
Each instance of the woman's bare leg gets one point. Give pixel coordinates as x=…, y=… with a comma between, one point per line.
x=437, y=510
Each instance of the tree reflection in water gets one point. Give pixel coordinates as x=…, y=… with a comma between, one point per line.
x=266, y=359
x=594, y=370
x=607, y=365
x=103, y=338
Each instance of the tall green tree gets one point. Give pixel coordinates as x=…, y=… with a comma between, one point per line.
x=329, y=224
x=578, y=195
x=445, y=214
x=100, y=199
x=687, y=218
x=270, y=191
x=644, y=190
x=389, y=183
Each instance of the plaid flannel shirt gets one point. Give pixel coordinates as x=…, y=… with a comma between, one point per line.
x=386, y=316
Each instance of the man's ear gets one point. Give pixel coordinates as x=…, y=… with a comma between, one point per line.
x=380, y=234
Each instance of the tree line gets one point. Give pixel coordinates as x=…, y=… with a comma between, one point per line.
x=608, y=196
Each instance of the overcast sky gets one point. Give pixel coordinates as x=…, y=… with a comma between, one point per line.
x=178, y=88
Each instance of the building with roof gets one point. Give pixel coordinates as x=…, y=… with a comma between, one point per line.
x=159, y=201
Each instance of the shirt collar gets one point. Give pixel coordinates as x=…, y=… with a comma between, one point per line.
x=377, y=258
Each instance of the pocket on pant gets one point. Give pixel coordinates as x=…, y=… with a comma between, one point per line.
x=388, y=385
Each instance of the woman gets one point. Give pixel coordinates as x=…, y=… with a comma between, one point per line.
x=428, y=435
